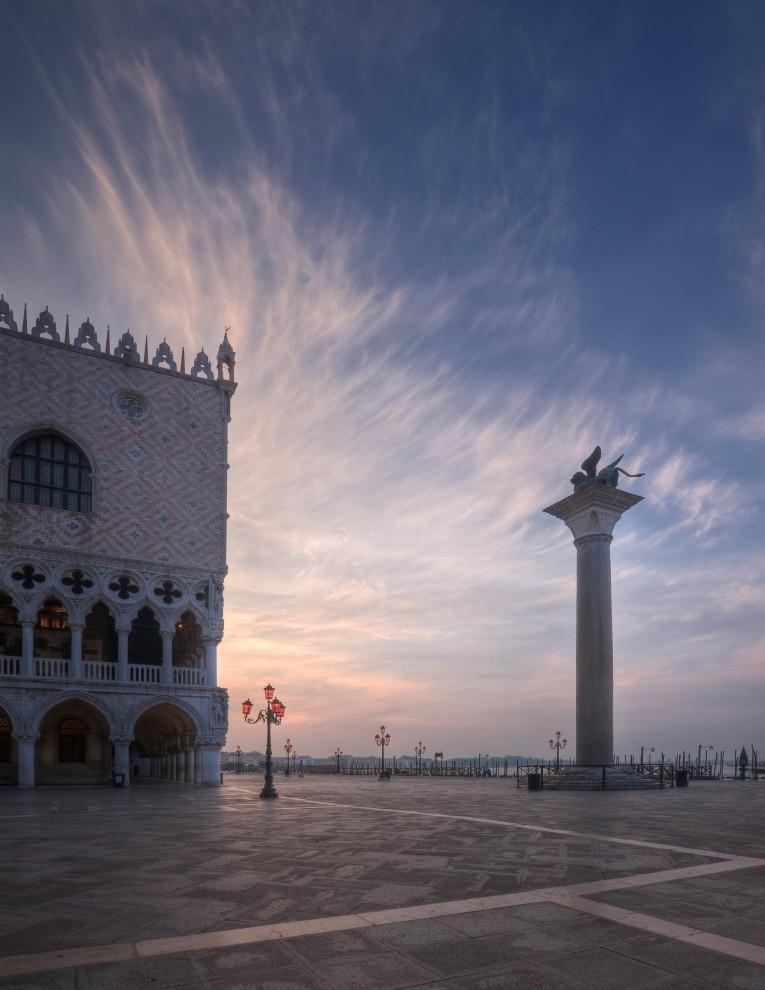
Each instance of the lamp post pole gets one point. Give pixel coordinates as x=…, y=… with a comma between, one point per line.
x=558, y=744
x=273, y=713
x=419, y=749
x=338, y=754
x=382, y=739
x=238, y=759
x=649, y=750
x=289, y=748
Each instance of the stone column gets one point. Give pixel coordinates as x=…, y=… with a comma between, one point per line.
x=75, y=653
x=198, y=765
x=591, y=515
x=211, y=661
x=122, y=756
x=27, y=647
x=25, y=743
x=210, y=761
x=123, y=671
x=190, y=770
x=167, y=657
x=180, y=766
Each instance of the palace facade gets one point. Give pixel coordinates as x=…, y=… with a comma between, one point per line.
x=112, y=556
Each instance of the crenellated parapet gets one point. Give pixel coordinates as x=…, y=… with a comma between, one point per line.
x=126, y=350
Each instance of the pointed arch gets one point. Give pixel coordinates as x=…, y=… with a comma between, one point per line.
x=99, y=634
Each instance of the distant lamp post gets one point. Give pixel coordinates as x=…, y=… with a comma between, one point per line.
x=272, y=714
x=649, y=750
x=289, y=748
x=238, y=759
x=382, y=739
x=338, y=754
x=706, y=753
x=558, y=744
x=419, y=749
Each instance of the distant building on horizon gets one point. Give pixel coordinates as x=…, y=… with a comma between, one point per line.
x=112, y=557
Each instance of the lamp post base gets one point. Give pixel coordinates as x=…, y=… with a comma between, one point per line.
x=269, y=791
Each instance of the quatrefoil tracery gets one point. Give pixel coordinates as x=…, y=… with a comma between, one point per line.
x=123, y=587
x=167, y=592
x=28, y=576
x=77, y=581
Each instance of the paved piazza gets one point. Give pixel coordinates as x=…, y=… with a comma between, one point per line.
x=349, y=883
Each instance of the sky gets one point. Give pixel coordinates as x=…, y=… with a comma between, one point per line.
x=458, y=244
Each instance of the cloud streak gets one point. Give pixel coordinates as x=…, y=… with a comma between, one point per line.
x=417, y=381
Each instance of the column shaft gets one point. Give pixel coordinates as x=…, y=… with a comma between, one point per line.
x=25, y=744
x=27, y=648
x=594, y=651
x=75, y=655
x=123, y=672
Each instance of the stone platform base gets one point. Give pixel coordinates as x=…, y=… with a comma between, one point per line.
x=608, y=778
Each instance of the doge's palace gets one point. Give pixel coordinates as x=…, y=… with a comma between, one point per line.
x=113, y=469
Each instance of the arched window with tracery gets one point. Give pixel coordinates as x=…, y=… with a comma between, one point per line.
x=188, y=650
x=53, y=638
x=144, y=641
x=46, y=469
x=99, y=637
x=72, y=736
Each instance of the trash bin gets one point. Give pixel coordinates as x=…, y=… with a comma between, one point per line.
x=682, y=778
x=535, y=781
x=118, y=779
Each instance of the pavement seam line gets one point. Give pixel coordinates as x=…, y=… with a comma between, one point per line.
x=667, y=929
x=568, y=896
x=751, y=861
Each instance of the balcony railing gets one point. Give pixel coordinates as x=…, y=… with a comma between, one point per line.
x=103, y=671
x=10, y=666
x=51, y=667
x=99, y=670
x=145, y=673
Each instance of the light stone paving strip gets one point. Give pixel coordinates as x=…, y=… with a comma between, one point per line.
x=572, y=896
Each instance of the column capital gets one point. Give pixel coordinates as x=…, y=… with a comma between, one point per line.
x=120, y=740
x=26, y=737
x=594, y=511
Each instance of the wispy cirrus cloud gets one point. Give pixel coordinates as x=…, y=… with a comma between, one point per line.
x=415, y=380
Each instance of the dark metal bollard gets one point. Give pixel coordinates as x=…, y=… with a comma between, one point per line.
x=535, y=781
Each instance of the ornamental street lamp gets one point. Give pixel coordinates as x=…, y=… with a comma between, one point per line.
x=273, y=713
x=382, y=739
x=289, y=748
x=557, y=744
x=338, y=754
x=238, y=759
x=419, y=749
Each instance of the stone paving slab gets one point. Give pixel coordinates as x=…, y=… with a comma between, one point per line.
x=351, y=883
